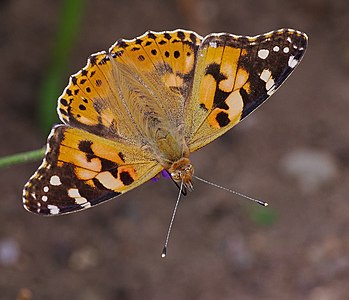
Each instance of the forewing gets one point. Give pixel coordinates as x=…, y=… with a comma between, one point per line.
x=120, y=93
x=161, y=65
x=81, y=170
x=92, y=102
x=233, y=76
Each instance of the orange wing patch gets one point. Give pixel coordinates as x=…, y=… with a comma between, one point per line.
x=91, y=169
x=234, y=75
x=170, y=56
x=85, y=101
x=217, y=74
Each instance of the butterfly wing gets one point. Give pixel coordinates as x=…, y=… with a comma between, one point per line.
x=164, y=63
x=233, y=76
x=112, y=108
x=81, y=170
x=123, y=92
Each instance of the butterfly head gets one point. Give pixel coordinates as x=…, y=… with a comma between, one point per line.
x=182, y=171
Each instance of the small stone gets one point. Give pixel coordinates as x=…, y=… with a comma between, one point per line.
x=9, y=252
x=84, y=258
x=237, y=253
x=325, y=293
x=24, y=294
x=311, y=168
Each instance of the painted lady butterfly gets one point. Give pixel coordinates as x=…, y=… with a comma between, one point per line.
x=146, y=104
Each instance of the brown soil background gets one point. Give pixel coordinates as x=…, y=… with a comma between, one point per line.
x=216, y=250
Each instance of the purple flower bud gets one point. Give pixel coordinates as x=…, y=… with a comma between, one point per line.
x=155, y=179
x=163, y=173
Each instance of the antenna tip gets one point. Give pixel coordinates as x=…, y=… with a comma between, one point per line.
x=163, y=254
x=260, y=202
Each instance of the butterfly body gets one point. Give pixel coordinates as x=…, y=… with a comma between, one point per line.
x=146, y=104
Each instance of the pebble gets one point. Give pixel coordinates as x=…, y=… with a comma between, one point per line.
x=312, y=168
x=84, y=258
x=9, y=252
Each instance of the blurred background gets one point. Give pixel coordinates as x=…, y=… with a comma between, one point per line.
x=293, y=152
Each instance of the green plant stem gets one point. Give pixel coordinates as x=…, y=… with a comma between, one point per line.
x=52, y=85
x=21, y=158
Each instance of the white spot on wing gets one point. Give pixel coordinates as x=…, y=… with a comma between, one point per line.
x=276, y=48
x=46, y=189
x=286, y=50
x=292, y=62
x=54, y=210
x=44, y=198
x=265, y=75
x=263, y=53
x=86, y=205
x=270, y=83
x=213, y=44
x=74, y=193
x=80, y=200
x=55, y=180
x=272, y=90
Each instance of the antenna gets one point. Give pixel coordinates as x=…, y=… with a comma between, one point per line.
x=260, y=202
x=164, y=250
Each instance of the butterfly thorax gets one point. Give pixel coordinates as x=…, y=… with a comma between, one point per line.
x=172, y=153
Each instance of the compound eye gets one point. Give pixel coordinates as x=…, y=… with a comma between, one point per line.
x=175, y=176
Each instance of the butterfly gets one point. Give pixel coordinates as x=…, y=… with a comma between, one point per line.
x=146, y=104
